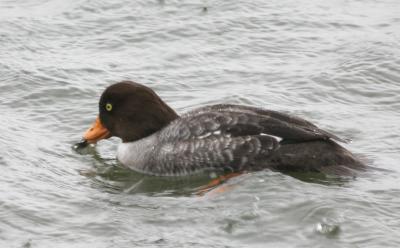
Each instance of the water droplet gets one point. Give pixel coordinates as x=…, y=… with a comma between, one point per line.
x=328, y=229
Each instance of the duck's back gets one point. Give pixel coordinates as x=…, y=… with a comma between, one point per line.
x=234, y=137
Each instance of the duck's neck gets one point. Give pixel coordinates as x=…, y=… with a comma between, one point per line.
x=137, y=155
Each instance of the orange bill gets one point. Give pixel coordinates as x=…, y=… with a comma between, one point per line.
x=96, y=132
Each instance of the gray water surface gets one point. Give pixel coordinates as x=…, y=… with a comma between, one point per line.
x=335, y=63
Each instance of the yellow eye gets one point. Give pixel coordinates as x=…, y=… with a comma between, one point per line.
x=108, y=107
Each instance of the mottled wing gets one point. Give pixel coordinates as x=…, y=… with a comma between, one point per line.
x=285, y=119
x=238, y=123
x=227, y=137
x=216, y=152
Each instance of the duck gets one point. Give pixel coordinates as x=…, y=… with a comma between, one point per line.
x=222, y=138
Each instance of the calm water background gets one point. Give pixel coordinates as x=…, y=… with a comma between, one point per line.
x=333, y=62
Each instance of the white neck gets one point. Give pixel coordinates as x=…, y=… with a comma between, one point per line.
x=136, y=155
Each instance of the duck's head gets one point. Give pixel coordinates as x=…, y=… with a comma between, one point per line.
x=130, y=111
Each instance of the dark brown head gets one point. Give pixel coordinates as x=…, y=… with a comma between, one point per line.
x=130, y=111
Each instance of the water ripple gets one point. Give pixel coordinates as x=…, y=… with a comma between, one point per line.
x=336, y=64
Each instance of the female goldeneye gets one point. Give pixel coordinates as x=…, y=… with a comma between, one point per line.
x=224, y=137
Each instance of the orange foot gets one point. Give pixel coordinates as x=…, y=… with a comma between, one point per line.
x=216, y=182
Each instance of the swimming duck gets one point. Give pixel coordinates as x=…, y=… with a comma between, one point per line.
x=224, y=137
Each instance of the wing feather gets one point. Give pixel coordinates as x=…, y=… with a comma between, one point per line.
x=229, y=137
x=279, y=122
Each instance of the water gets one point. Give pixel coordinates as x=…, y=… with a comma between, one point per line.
x=335, y=63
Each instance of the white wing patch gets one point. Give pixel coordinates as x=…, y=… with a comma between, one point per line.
x=277, y=138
